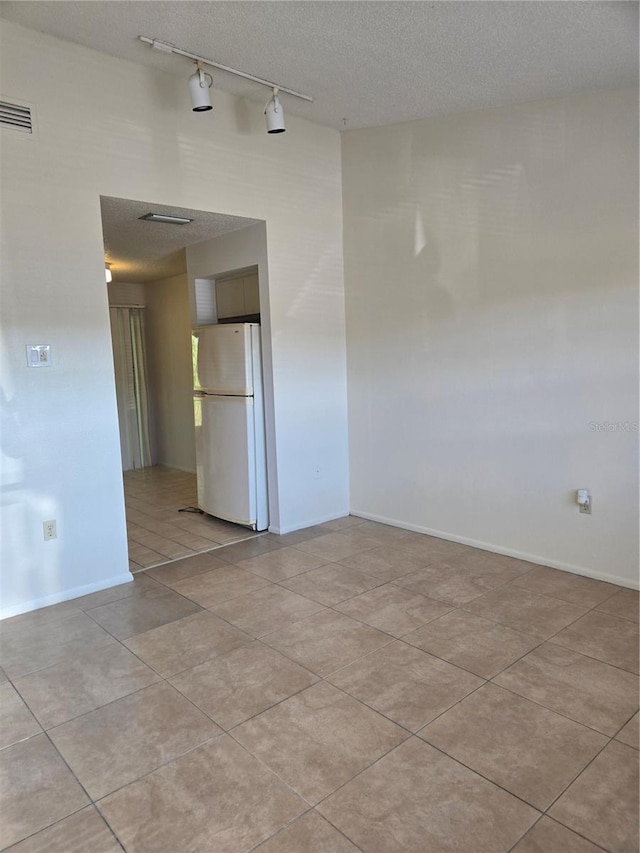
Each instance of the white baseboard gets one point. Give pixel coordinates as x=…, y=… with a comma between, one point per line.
x=65, y=595
x=498, y=549
x=281, y=531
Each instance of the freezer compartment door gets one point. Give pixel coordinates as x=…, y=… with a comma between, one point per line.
x=225, y=458
x=222, y=359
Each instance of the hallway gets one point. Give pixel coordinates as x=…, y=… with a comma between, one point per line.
x=157, y=531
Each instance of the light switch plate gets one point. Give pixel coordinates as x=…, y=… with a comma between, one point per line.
x=39, y=355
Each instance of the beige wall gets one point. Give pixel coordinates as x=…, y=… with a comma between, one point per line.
x=110, y=127
x=491, y=268
x=168, y=324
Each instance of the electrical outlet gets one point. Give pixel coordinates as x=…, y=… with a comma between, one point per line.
x=49, y=530
x=583, y=499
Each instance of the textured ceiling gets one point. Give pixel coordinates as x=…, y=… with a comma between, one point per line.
x=148, y=251
x=372, y=63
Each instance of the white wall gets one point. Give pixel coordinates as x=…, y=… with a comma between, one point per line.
x=491, y=268
x=168, y=328
x=119, y=129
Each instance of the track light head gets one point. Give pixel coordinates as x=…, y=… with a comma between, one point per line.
x=199, y=84
x=275, y=114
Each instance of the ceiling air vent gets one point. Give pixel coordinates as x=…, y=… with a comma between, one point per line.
x=15, y=117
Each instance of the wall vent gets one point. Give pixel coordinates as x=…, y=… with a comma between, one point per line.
x=16, y=117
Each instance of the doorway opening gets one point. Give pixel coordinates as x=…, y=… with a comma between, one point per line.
x=163, y=278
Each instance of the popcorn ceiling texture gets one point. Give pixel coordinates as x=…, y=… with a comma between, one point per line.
x=153, y=250
x=374, y=63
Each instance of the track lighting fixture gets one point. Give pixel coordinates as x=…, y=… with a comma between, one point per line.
x=275, y=114
x=107, y=273
x=199, y=84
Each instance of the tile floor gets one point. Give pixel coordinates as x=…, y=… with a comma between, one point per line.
x=348, y=687
x=157, y=530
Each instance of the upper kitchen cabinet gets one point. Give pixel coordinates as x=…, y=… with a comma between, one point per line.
x=238, y=297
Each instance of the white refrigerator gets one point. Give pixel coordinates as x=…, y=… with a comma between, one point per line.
x=229, y=421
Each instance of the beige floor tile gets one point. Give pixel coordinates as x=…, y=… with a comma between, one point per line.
x=178, y=570
x=491, y=563
x=281, y=564
x=215, y=533
x=16, y=720
x=146, y=538
x=307, y=834
x=630, y=733
x=317, y=740
x=134, y=615
x=417, y=799
x=168, y=548
x=326, y=641
x=602, y=804
x=191, y=540
x=538, y=615
x=343, y=523
x=27, y=648
x=332, y=584
x=137, y=586
x=252, y=547
x=36, y=620
x=83, y=832
x=604, y=637
x=220, y=585
x=36, y=789
x=120, y=742
x=547, y=836
x=297, y=536
x=456, y=584
x=529, y=750
x=211, y=573
x=86, y=682
x=433, y=549
x=333, y=547
x=363, y=540
x=218, y=798
x=268, y=609
x=186, y=642
x=382, y=534
x=567, y=586
x=233, y=687
x=146, y=557
x=479, y=645
x=624, y=604
x=392, y=609
x=405, y=684
x=584, y=689
x=202, y=529
x=386, y=563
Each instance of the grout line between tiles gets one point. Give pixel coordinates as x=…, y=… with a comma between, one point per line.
x=392, y=638
x=61, y=820
x=191, y=749
x=574, y=779
x=584, y=837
